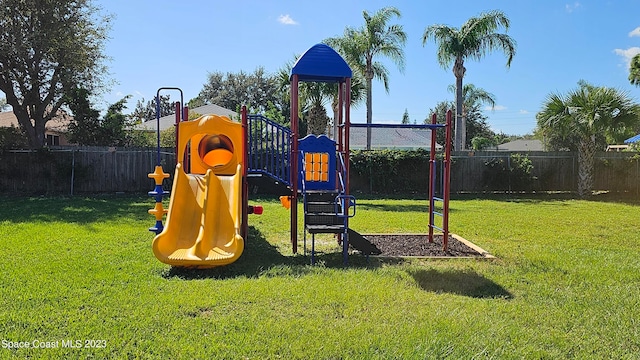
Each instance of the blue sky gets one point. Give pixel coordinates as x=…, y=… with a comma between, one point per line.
x=177, y=43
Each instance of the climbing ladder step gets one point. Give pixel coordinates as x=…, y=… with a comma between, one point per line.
x=325, y=229
x=322, y=207
x=321, y=196
x=323, y=219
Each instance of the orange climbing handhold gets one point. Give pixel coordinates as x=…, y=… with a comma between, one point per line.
x=158, y=211
x=285, y=201
x=158, y=175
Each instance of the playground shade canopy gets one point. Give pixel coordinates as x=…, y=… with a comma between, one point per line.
x=322, y=64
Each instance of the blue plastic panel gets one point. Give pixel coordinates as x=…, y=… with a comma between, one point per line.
x=312, y=144
x=321, y=64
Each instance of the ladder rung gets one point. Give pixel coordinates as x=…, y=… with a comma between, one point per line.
x=437, y=213
x=437, y=199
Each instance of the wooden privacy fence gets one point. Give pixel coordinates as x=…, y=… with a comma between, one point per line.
x=550, y=171
x=73, y=170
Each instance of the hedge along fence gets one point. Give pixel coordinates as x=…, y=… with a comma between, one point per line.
x=395, y=171
x=71, y=170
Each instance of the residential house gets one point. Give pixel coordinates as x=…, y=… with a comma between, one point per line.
x=166, y=122
x=522, y=145
x=397, y=138
x=56, y=129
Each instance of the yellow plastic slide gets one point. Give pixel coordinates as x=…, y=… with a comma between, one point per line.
x=203, y=223
x=204, y=218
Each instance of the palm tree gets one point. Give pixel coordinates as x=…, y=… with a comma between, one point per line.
x=314, y=96
x=360, y=47
x=472, y=97
x=634, y=70
x=587, y=112
x=474, y=39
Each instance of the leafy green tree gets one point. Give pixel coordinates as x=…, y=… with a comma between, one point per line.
x=473, y=40
x=12, y=138
x=584, y=114
x=360, y=47
x=85, y=127
x=233, y=90
x=634, y=70
x=482, y=143
x=147, y=111
x=115, y=125
x=405, y=117
x=88, y=129
x=48, y=48
x=476, y=121
x=472, y=100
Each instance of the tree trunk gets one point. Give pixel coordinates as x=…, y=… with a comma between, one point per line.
x=369, y=77
x=460, y=128
x=586, y=154
x=33, y=130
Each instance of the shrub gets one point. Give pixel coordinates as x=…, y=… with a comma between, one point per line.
x=513, y=174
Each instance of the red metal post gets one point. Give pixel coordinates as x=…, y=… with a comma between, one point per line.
x=432, y=164
x=347, y=121
x=447, y=183
x=338, y=135
x=293, y=166
x=178, y=112
x=245, y=183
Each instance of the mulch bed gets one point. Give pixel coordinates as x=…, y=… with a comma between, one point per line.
x=418, y=245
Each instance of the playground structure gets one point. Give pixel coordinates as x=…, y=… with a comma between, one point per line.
x=207, y=218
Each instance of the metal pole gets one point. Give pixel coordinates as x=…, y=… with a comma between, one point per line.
x=294, y=163
x=432, y=163
x=447, y=183
x=347, y=120
x=245, y=184
x=158, y=118
x=73, y=168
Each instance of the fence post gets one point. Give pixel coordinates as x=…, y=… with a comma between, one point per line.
x=73, y=168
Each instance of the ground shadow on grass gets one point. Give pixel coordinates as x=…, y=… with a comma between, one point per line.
x=415, y=207
x=552, y=197
x=77, y=209
x=459, y=282
x=260, y=258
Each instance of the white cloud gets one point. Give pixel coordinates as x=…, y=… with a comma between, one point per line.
x=627, y=54
x=497, y=107
x=635, y=32
x=572, y=7
x=523, y=112
x=286, y=20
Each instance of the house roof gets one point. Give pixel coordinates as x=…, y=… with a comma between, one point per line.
x=522, y=145
x=168, y=121
x=59, y=124
x=632, y=139
x=391, y=138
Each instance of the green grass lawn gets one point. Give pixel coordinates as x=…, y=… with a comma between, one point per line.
x=565, y=284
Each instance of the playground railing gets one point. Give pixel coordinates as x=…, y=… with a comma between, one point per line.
x=347, y=202
x=269, y=148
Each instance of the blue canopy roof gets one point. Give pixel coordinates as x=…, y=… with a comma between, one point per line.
x=321, y=64
x=632, y=140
